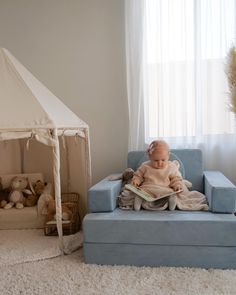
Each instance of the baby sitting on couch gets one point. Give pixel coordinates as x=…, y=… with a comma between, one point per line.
x=158, y=177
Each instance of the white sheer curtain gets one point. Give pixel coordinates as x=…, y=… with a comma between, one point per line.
x=177, y=87
x=134, y=61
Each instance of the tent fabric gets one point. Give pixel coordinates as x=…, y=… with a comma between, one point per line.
x=29, y=113
x=35, y=106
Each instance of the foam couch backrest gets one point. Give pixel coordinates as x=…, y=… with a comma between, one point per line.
x=191, y=164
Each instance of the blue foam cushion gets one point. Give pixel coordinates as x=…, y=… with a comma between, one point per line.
x=102, y=197
x=161, y=228
x=160, y=255
x=220, y=192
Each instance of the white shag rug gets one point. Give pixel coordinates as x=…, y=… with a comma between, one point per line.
x=68, y=274
x=18, y=246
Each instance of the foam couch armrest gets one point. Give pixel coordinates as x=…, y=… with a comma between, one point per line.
x=220, y=192
x=102, y=197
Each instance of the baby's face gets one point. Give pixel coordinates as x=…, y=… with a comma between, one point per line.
x=159, y=158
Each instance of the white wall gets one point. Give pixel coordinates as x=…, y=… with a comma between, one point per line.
x=76, y=48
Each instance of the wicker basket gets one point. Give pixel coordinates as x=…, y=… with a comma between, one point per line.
x=71, y=226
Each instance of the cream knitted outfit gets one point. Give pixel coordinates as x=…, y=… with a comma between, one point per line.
x=158, y=182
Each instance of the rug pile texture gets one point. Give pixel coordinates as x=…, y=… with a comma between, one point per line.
x=69, y=274
x=18, y=246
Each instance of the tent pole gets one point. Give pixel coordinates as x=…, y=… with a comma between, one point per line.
x=57, y=187
x=88, y=158
x=22, y=154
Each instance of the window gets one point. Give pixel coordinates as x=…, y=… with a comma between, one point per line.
x=184, y=48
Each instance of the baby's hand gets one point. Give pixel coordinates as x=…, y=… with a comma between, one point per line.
x=135, y=183
x=178, y=187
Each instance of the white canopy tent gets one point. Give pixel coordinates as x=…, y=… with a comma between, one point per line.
x=38, y=133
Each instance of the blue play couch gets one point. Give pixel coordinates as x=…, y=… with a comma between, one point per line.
x=167, y=238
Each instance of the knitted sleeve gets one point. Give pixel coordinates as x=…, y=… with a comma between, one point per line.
x=175, y=177
x=139, y=174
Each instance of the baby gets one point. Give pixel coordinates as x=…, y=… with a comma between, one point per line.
x=158, y=175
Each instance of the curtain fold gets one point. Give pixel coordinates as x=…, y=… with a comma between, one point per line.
x=177, y=87
x=134, y=25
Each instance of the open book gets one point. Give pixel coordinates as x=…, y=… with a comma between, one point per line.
x=144, y=195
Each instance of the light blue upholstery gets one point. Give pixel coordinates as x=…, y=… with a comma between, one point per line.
x=160, y=255
x=171, y=238
x=161, y=228
x=102, y=197
x=220, y=192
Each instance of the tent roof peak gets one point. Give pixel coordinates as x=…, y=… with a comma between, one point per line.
x=26, y=103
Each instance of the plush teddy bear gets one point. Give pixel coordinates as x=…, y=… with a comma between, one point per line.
x=126, y=177
x=31, y=200
x=3, y=195
x=39, y=187
x=36, y=189
x=51, y=210
x=17, y=190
